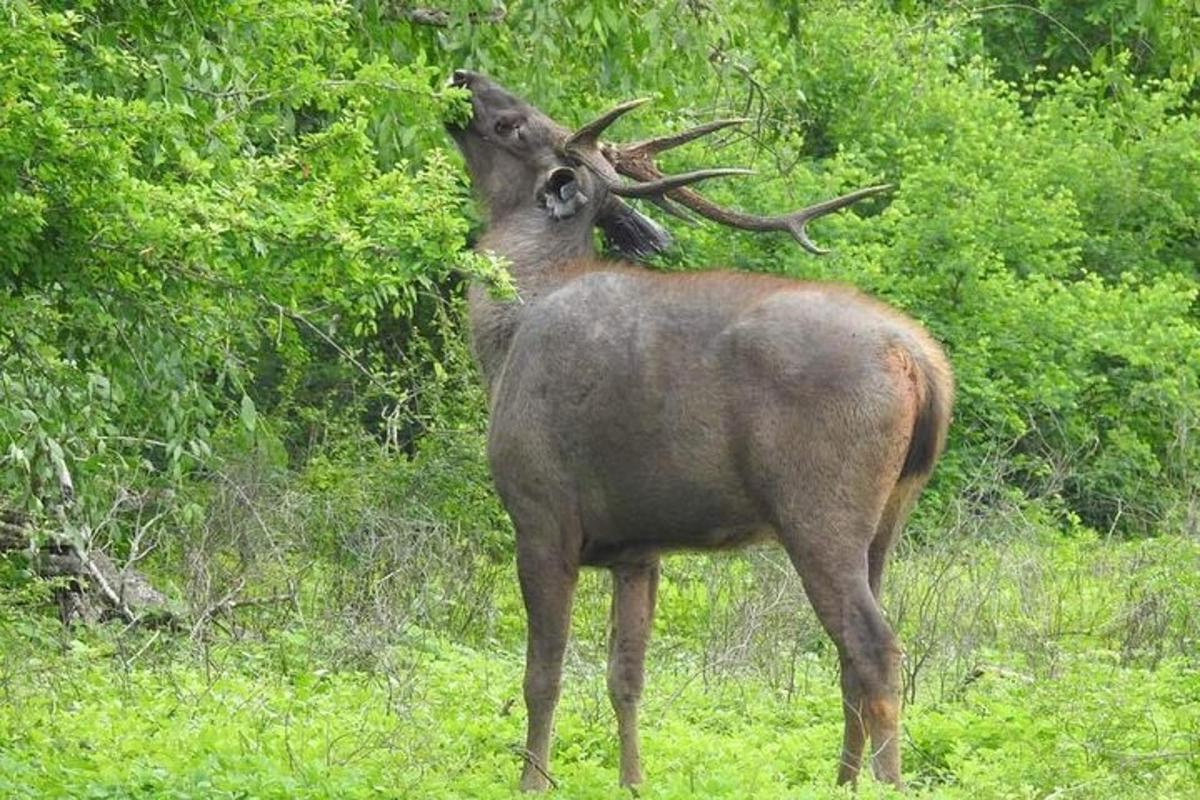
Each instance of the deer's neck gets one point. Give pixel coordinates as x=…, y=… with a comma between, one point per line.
x=539, y=252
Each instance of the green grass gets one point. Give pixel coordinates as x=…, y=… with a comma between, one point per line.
x=264, y=710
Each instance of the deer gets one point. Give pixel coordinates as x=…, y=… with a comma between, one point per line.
x=634, y=412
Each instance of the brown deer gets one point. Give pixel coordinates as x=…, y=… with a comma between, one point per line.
x=634, y=412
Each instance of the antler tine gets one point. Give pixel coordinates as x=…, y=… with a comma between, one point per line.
x=650, y=147
x=795, y=222
x=671, y=191
x=674, y=209
x=667, y=183
x=589, y=134
x=652, y=188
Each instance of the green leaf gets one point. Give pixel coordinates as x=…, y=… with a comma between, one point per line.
x=249, y=413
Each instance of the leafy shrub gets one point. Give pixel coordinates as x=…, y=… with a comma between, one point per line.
x=197, y=230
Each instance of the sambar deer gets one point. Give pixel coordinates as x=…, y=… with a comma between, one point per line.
x=634, y=412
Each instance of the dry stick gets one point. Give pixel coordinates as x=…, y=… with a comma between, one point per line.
x=102, y=583
x=67, y=487
x=1129, y=759
x=143, y=648
x=218, y=472
x=228, y=603
x=440, y=17
x=282, y=597
x=296, y=316
x=199, y=274
x=862, y=725
x=291, y=314
x=532, y=761
x=1071, y=789
x=136, y=553
x=212, y=609
x=980, y=11
x=728, y=657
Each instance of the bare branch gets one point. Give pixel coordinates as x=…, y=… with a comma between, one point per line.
x=532, y=761
x=440, y=17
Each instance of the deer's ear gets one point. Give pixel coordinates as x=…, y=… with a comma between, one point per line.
x=561, y=193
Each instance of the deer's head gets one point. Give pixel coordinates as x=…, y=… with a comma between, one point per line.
x=540, y=175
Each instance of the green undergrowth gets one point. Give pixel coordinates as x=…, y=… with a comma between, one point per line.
x=1045, y=693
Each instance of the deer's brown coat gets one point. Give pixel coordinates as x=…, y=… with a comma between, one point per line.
x=634, y=413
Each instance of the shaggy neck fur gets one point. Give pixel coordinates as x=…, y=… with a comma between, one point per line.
x=537, y=249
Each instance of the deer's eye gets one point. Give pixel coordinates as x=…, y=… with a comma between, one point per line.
x=507, y=127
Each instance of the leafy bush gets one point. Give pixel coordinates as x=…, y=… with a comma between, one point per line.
x=196, y=230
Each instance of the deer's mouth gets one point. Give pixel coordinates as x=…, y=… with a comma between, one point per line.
x=460, y=79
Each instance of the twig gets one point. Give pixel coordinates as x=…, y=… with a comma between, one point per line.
x=295, y=316
x=143, y=648
x=1074, y=787
x=1128, y=759
x=440, y=17
x=109, y=593
x=228, y=603
x=533, y=762
x=291, y=314
x=66, y=485
x=247, y=98
x=207, y=614
x=282, y=597
x=981, y=10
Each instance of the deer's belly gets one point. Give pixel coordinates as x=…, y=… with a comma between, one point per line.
x=636, y=514
x=633, y=549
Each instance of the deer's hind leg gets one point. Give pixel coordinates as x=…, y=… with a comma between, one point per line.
x=830, y=553
x=887, y=530
x=828, y=525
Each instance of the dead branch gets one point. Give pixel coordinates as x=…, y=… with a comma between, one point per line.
x=107, y=591
x=530, y=759
x=440, y=17
x=231, y=602
x=120, y=592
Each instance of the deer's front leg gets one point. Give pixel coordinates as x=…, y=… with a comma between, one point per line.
x=547, y=586
x=634, y=589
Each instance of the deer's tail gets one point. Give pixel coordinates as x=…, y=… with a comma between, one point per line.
x=935, y=400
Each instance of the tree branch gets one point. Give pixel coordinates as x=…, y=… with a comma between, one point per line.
x=440, y=17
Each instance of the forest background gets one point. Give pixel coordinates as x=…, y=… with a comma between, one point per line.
x=234, y=241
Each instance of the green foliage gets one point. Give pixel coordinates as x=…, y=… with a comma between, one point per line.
x=233, y=244
x=1160, y=37
x=1044, y=224
x=195, y=221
